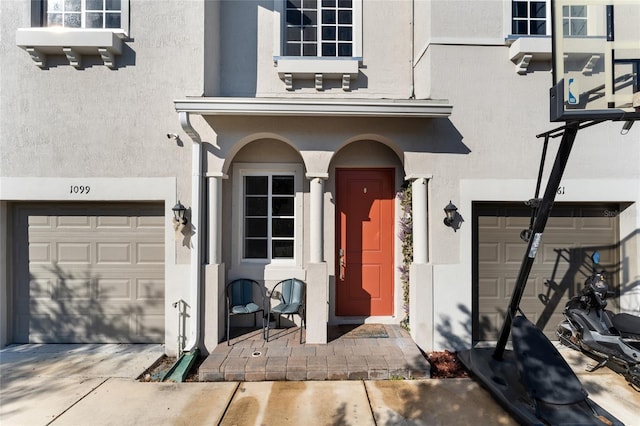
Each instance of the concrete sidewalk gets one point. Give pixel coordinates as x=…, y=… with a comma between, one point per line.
x=71, y=389
x=119, y=402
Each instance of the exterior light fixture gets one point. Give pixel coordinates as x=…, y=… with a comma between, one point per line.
x=179, y=213
x=450, y=210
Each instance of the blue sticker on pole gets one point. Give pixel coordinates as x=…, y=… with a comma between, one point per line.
x=573, y=100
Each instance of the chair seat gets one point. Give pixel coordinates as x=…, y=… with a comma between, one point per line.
x=245, y=309
x=286, y=308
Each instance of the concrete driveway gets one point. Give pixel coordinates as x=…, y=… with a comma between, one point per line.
x=96, y=384
x=40, y=382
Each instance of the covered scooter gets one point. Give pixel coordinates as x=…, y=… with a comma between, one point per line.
x=612, y=339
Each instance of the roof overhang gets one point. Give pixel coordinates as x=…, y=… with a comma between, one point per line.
x=423, y=108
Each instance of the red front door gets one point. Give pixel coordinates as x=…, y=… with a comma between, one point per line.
x=364, y=242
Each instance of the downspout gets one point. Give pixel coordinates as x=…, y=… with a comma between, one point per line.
x=196, y=242
x=413, y=42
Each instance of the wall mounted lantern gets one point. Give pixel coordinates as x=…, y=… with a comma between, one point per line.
x=179, y=213
x=450, y=210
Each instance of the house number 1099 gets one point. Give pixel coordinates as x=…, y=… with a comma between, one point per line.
x=79, y=189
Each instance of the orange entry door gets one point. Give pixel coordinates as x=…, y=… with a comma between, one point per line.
x=364, y=242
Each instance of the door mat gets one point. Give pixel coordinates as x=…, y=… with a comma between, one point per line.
x=366, y=331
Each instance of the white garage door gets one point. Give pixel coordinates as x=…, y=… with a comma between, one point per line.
x=88, y=272
x=572, y=234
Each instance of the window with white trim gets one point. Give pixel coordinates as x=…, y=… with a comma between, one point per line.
x=530, y=17
x=84, y=13
x=319, y=28
x=574, y=20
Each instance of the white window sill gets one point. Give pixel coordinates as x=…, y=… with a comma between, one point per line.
x=524, y=49
x=318, y=69
x=72, y=42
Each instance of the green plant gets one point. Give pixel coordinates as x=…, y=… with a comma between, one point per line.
x=406, y=236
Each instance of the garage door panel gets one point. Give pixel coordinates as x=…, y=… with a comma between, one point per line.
x=514, y=222
x=149, y=328
x=70, y=222
x=79, y=252
x=594, y=224
x=90, y=273
x=489, y=222
x=572, y=234
x=510, y=284
x=513, y=253
x=561, y=223
x=489, y=253
x=73, y=289
x=40, y=252
x=148, y=289
x=150, y=253
x=36, y=222
x=113, y=289
x=40, y=289
x=113, y=253
x=490, y=288
x=490, y=322
x=149, y=222
x=113, y=222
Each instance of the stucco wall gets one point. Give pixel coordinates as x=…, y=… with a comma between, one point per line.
x=247, y=60
x=94, y=121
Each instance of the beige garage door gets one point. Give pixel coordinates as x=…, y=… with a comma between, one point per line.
x=88, y=273
x=573, y=232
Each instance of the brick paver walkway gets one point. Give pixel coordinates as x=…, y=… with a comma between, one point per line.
x=345, y=357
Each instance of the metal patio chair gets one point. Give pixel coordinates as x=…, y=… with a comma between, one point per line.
x=244, y=297
x=292, y=295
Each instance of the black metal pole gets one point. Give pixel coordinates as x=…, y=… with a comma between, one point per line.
x=562, y=156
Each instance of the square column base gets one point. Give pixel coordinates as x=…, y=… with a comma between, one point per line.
x=317, y=303
x=421, y=305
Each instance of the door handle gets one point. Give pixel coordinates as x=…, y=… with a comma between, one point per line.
x=342, y=264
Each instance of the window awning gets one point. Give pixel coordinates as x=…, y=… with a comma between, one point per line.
x=424, y=108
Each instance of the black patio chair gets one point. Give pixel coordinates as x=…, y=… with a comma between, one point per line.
x=292, y=295
x=244, y=297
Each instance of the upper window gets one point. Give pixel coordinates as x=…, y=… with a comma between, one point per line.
x=319, y=28
x=84, y=13
x=574, y=20
x=530, y=17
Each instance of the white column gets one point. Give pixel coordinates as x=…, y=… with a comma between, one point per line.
x=421, y=275
x=215, y=217
x=317, y=276
x=420, y=215
x=316, y=216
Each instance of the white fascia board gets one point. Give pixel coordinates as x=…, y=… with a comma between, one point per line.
x=315, y=107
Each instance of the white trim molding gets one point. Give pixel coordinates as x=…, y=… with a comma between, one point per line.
x=424, y=108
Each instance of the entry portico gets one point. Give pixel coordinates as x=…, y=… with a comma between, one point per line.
x=319, y=136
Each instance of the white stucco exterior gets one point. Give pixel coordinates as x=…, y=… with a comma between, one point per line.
x=436, y=98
